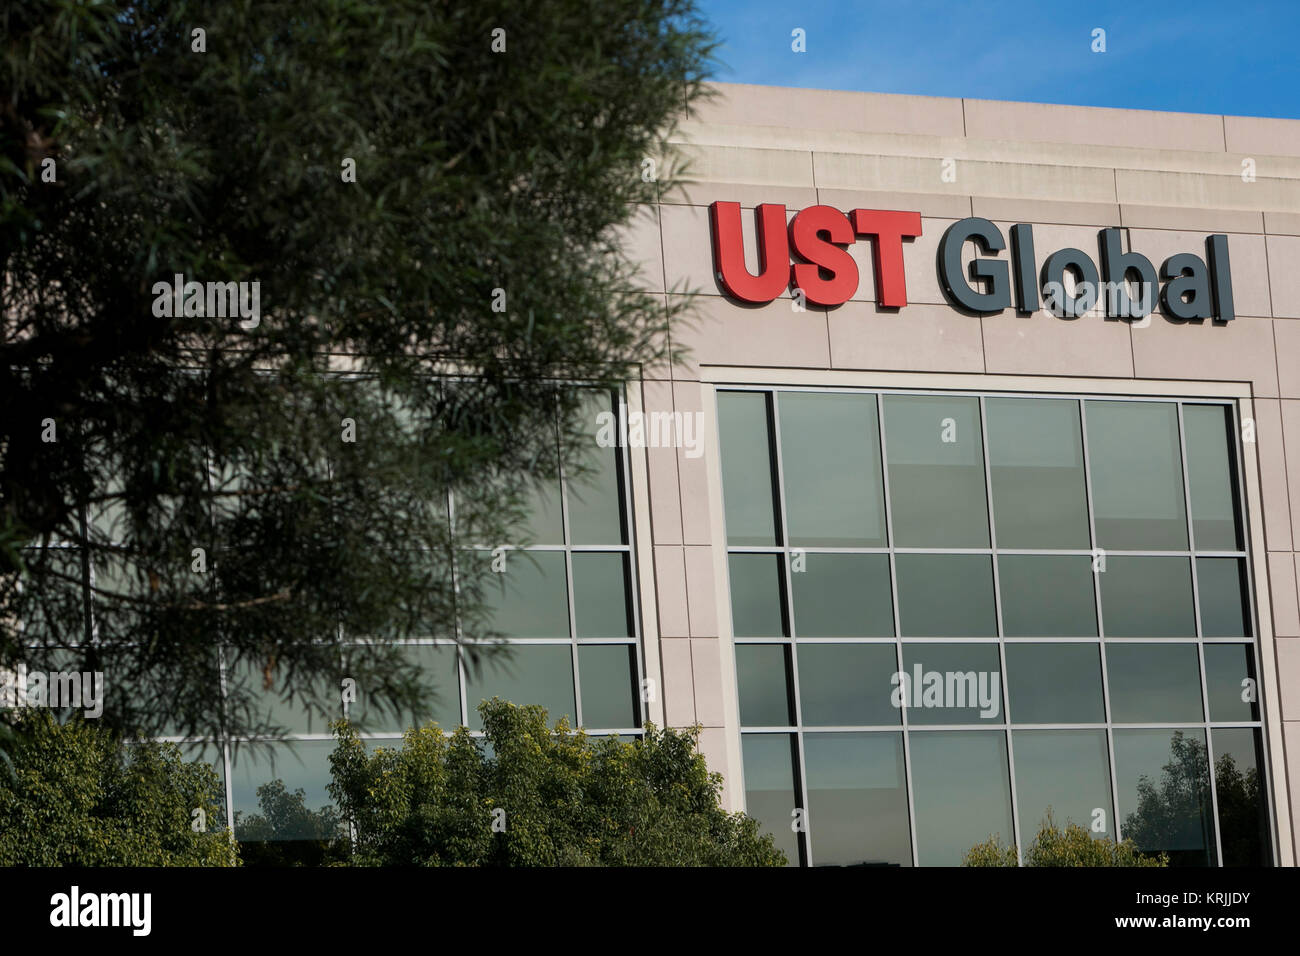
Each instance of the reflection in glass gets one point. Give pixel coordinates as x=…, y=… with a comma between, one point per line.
x=1047, y=595
x=857, y=799
x=764, y=685
x=1154, y=683
x=770, y=792
x=1221, y=588
x=600, y=594
x=1164, y=793
x=1210, y=470
x=842, y=685
x=1243, y=802
x=1054, y=684
x=748, y=490
x=830, y=452
x=607, y=673
x=278, y=791
x=439, y=673
x=945, y=595
x=1066, y=772
x=1137, y=476
x=961, y=792
x=843, y=595
x=951, y=683
x=1040, y=498
x=936, y=471
x=1147, y=597
x=1230, y=682
x=524, y=674
x=756, y=581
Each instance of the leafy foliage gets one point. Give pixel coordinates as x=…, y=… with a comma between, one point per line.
x=476, y=171
x=287, y=832
x=79, y=797
x=557, y=798
x=1073, y=846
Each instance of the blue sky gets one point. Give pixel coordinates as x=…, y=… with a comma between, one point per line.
x=1203, y=57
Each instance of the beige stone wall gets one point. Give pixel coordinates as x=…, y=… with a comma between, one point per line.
x=1171, y=178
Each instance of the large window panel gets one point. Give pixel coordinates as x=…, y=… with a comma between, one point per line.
x=1040, y=497
x=843, y=685
x=1211, y=470
x=770, y=790
x=1154, y=683
x=756, y=595
x=857, y=799
x=1164, y=793
x=601, y=605
x=748, y=489
x=1047, y=595
x=1221, y=590
x=764, y=685
x=842, y=595
x=961, y=793
x=527, y=674
x=608, y=675
x=951, y=683
x=1065, y=773
x=1137, y=476
x=1147, y=597
x=530, y=597
x=946, y=595
x=830, y=454
x=936, y=471
x=1056, y=683
x=1242, y=798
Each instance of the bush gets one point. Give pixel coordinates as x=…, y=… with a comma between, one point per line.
x=1073, y=846
x=530, y=795
x=77, y=796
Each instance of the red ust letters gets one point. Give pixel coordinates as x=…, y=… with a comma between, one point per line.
x=819, y=235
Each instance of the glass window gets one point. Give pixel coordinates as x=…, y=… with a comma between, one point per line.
x=973, y=765
x=1055, y=684
x=1230, y=682
x=530, y=598
x=748, y=490
x=945, y=595
x=1147, y=597
x=857, y=799
x=600, y=594
x=524, y=674
x=1047, y=595
x=1210, y=477
x=1040, y=498
x=936, y=471
x=1154, y=683
x=847, y=685
x=830, y=453
x=1066, y=773
x=596, y=498
x=1164, y=793
x=278, y=791
x=439, y=674
x=770, y=793
x=1137, y=476
x=607, y=673
x=756, y=595
x=1243, y=802
x=1221, y=588
x=763, y=676
x=951, y=683
x=842, y=595
x=543, y=515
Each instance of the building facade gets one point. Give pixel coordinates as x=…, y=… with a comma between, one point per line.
x=973, y=495
x=1065, y=544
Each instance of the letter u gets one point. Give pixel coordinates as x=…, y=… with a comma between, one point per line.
x=729, y=252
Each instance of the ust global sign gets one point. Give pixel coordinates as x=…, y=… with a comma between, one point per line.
x=810, y=257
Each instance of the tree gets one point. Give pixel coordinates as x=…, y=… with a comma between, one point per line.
x=533, y=795
x=1177, y=815
x=1073, y=846
x=79, y=797
x=287, y=832
x=230, y=483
